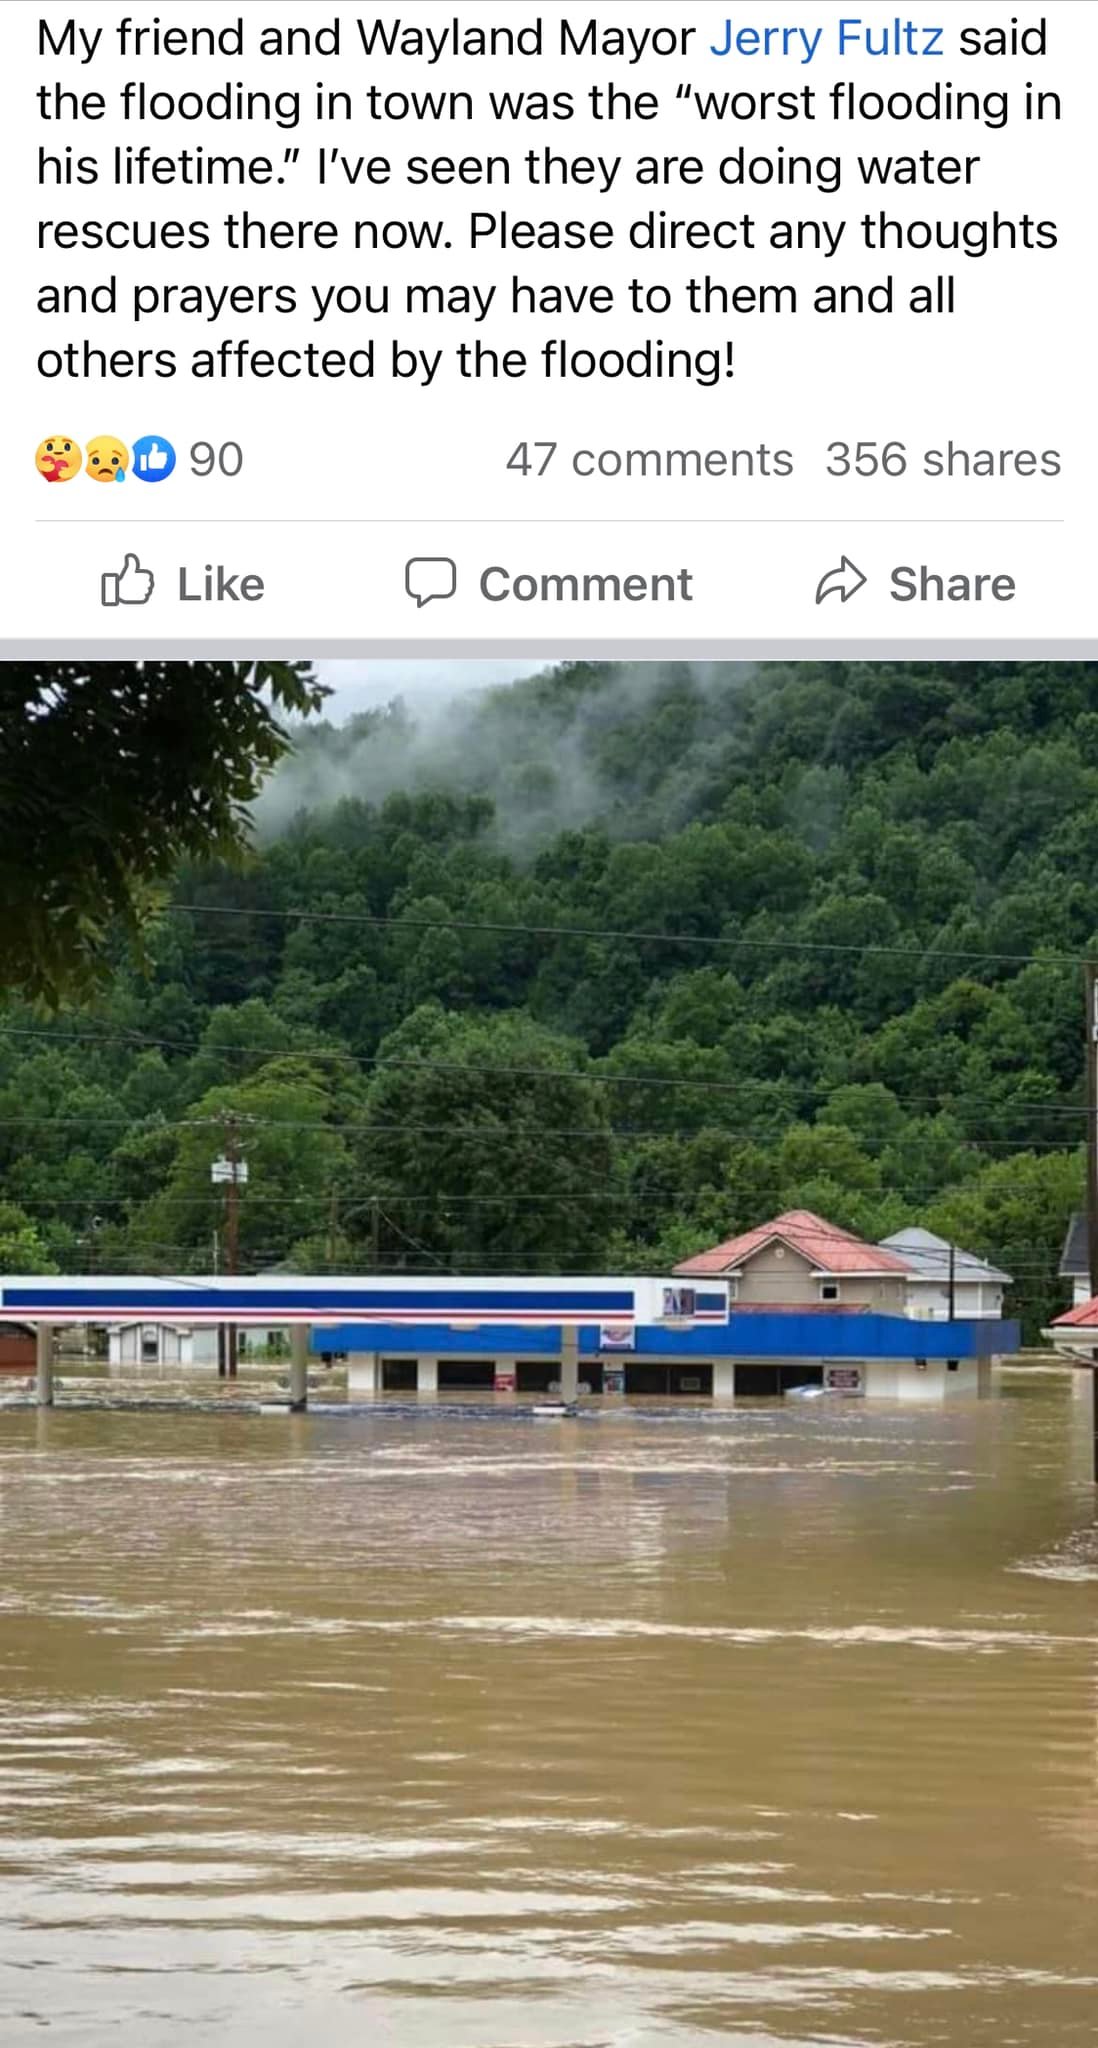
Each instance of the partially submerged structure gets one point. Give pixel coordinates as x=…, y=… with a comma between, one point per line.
x=682, y=1334
x=17, y=1348
x=1075, y=1333
x=180, y=1347
x=800, y=1260
x=945, y=1280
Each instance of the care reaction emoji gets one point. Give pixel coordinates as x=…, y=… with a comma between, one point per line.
x=108, y=460
x=58, y=459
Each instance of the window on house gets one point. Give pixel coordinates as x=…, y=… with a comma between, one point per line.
x=829, y=1290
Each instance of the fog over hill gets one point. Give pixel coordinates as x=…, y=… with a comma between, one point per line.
x=571, y=746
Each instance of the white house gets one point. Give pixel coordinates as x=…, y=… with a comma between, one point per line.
x=977, y=1286
x=167, y=1346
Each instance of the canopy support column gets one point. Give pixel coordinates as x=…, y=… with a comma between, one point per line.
x=569, y=1363
x=299, y=1368
x=44, y=1365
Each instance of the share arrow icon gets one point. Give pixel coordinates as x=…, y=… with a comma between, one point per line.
x=847, y=579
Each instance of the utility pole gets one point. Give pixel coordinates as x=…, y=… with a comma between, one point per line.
x=232, y=1231
x=952, y=1281
x=230, y=1171
x=1092, y=1123
x=1092, y=1169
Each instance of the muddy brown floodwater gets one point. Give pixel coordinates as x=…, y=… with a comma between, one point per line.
x=775, y=1725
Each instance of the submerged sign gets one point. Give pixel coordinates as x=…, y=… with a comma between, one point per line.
x=844, y=1379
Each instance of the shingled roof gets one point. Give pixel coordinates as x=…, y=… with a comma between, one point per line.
x=933, y=1257
x=1082, y=1318
x=827, y=1248
x=1075, y=1259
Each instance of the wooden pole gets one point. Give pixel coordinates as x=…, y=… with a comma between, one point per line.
x=1092, y=1163
x=1092, y=1124
x=232, y=1233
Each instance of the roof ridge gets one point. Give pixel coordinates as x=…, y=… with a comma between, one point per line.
x=806, y=1233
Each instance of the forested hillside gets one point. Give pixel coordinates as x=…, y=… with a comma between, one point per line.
x=590, y=971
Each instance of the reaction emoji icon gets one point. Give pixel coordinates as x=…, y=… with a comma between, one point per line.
x=153, y=459
x=58, y=459
x=108, y=460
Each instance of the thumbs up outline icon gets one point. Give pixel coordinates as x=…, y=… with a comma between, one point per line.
x=129, y=585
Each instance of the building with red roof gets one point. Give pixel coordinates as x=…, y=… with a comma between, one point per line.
x=1076, y=1331
x=801, y=1261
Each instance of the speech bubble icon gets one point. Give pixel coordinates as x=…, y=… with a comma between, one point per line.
x=430, y=576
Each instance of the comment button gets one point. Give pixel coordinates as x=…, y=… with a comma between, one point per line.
x=427, y=577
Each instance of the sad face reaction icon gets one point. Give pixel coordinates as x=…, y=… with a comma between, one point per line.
x=108, y=460
x=58, y=459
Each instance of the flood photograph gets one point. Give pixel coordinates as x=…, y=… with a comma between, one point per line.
x=548, y=1327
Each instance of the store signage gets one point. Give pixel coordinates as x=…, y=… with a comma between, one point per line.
x=844, y=1379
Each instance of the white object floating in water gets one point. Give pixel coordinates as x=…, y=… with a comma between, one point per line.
x=805, y=1393
x=546, y=1413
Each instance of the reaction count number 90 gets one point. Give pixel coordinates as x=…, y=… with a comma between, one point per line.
x=228, y=460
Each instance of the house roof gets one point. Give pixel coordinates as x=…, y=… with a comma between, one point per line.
x=1075, y=1258
x=827, y=1248
x=1084, y=1317
x=930, y=1257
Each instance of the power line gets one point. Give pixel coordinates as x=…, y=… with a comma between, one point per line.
x=414, y=1242
x=371, y=919
x=645, y=1198
x=383, y=1062
x=499, y=1133
x=496, y=1260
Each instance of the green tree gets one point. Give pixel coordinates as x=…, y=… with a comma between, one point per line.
x=488, y=1144
x=110, y=773
x=282, y=1122
x=1016, y=1213
x=837, y=872
x=22, y=1249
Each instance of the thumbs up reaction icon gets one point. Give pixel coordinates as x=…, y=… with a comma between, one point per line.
x=129, y=585
x=153, y=459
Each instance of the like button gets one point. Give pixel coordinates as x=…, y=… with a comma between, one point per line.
x=129, y=585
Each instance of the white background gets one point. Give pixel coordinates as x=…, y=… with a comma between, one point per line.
x=343, y=481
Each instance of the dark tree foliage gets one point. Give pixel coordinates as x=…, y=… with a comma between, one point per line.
x=111, y=773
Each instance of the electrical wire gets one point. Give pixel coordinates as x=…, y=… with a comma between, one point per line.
x=627, y=936
x=384, y=1062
